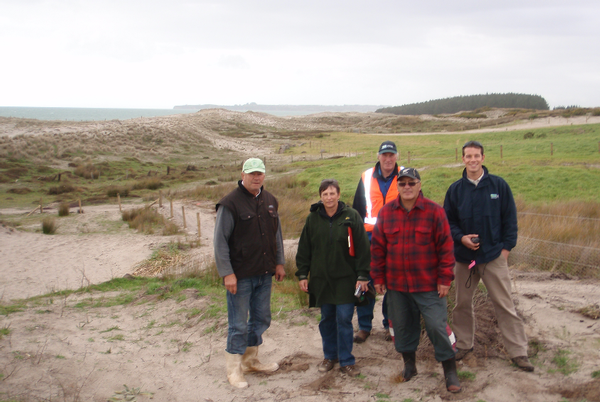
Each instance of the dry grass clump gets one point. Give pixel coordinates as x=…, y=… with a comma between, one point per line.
x=592, y=311
x=63, y=188
x=152, y=183
x=19, y=190
x=112, y=191
x=87, y=171
x=147, y=220
x=49, y=225
x=63, y=209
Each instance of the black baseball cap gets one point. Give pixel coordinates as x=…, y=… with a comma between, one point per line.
x=387, y=147
x=409, y=172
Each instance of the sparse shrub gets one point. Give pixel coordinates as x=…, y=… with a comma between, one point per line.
x=533, y=116
x=542, y=135
x=49, y=225
x=211, y=183
x=63, y=209
x=528, y=135
x=63, y=188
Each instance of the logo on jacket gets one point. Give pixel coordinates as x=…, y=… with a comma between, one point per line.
x=494, y=196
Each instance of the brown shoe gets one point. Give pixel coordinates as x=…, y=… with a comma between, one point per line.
x=387, y=336
x=461, y=353
x=361, y=336
x=523, y=363
x=326, y=365
x=350, y=370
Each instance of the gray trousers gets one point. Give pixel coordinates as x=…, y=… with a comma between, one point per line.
x=495, y=277
x=405, y=311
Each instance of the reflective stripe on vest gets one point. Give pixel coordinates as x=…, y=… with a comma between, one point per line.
x=374, y=207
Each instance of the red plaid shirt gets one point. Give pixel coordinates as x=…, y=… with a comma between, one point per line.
x=412, y=251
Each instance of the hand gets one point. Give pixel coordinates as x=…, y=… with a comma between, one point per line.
x=505, y=254
x=443, y=290
x=279, y=273
x=380, y=289
x=230, y=283
x=466, y=241
x=363, y=285
x=303, y=285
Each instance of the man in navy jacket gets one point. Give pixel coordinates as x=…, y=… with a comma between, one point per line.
x=483, y=220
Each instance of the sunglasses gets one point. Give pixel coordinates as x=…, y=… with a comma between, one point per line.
x=409, y=183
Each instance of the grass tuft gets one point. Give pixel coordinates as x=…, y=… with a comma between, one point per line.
x=63, y=209
x=49, y=225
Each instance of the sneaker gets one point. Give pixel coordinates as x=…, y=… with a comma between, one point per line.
x=326, y=365
x=361, y=336
x=461, y=353
x=350, y=370
x=523, y=363
x=387, y=336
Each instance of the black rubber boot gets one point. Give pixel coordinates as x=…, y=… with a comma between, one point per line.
x=410, y=365
x=451, y=376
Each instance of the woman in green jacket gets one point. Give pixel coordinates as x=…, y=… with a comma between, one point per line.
x=334, y=252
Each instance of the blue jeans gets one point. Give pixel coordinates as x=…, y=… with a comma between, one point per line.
x=365, y=314
x=405, y=311
x=337, y=332
x=248, y=313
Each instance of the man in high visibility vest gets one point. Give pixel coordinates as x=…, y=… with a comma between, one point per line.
x=377, y=186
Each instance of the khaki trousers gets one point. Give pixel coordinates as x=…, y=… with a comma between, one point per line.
x=494, y=275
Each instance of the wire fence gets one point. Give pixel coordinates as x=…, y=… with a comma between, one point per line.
x=548, y=255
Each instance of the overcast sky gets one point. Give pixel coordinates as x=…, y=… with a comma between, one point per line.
x=159, y=53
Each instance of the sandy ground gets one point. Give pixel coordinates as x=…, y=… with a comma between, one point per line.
x=168, y=350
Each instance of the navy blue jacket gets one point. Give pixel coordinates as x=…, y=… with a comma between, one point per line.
x=488, y=210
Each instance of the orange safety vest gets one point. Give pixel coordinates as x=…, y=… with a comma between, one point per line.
x=374, y=197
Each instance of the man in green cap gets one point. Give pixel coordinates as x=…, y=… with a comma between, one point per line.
x=248, y=252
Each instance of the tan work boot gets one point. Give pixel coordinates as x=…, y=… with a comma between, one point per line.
x=233, y=363
x=251, y=363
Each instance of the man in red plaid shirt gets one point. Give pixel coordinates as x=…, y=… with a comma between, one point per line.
x=412, y=257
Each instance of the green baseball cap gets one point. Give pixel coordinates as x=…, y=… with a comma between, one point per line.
x=253, y=165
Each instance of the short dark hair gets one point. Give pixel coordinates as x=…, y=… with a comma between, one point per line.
x=325, y=184
x=472, y=144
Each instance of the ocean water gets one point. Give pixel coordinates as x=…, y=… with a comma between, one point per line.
x=85, y=114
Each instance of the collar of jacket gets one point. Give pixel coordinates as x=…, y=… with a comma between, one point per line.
x=248, y=193
x=483, y=179
x=377, y=169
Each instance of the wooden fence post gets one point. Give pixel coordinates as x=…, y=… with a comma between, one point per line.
x=455, y=154
x=198, y=219
x=160, y=198
x=551, y=148
x=183, y=215
x=171, y=208
x=41, y=206
x=408, y=163
x=500, y=151
x=119, y=199
x=80, y=209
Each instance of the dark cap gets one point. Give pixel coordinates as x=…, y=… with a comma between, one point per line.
x=409, y=172
x=387, y=147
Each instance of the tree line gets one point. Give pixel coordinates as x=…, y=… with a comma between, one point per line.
x=469, y=102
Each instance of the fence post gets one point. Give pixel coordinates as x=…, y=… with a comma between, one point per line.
x=160, y=198
x=80, y=209
x=551, y=148
x=198, y=219
x=41, y=206
x=455, y=154
x=183, y=215
x=119, y=199
x=408, y=163
x=171, y=208
x=168, y=170
x=500, y=151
